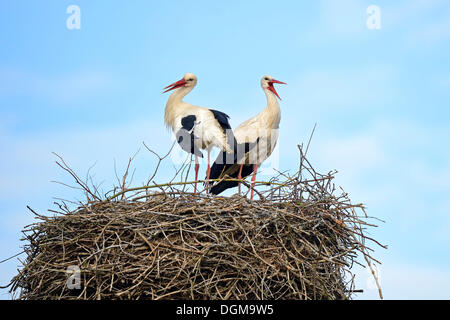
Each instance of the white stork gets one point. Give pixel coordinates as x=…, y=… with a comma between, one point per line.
x=196, y=127
x=256, y=140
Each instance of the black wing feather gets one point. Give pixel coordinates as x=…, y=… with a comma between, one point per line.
x=221, y=166
x=188, y=122
x=186, y=137
x=222, y=118
x=218, y=188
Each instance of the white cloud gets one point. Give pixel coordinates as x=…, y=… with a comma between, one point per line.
x=419, y=21
x=343, y=18
x=408, y=12
x=442, y=233
x=58, y=89
x=394, y=145
x=442, y=82
x=438, y=29
x=30, y=164
x=406, y=281
x=424, y=22
x=354, y=155
x=339, y=90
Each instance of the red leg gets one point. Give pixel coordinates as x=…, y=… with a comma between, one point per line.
x=208, y=171
x=196, y=173
x=255, y=168
x=240, y=177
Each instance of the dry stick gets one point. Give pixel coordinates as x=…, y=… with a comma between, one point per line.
x=66, y=168
x=210, y=247
x=310, y=138
x=160, y=159
x=89, y=177
x=125, y=175
x=189, y=182
x=7, y=259
x=380, y=293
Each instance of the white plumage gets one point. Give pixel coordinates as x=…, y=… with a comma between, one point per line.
x=256, y=137
x=195, y=127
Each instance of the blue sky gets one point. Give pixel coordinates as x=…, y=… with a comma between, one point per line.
x=380, y=98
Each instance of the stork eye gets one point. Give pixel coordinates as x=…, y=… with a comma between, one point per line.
x=267, y=79
x=190, y=79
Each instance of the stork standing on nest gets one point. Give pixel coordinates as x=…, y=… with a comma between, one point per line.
x=196, y=127
x=258, y=135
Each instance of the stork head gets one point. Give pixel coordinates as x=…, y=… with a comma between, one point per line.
x=188, y=81
x=267, y=84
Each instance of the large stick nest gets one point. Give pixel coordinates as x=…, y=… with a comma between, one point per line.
x=298, y=241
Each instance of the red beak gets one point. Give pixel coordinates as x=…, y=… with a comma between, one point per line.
x=271, y=87
x=175, y=85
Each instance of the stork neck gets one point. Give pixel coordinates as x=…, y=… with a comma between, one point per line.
x=178, y=95
x=271, y=113
x=174, y=103
x=272, y=102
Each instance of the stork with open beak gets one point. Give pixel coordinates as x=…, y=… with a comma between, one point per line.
x=258, y=137
x=196, y=127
